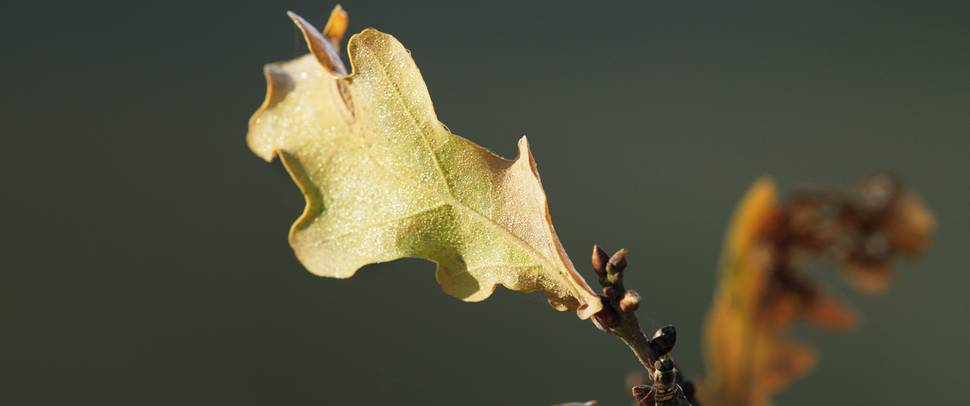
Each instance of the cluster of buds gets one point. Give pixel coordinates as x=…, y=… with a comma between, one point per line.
x=667, y=386
x=616, y=299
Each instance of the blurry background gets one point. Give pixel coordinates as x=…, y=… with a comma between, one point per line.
x=144, y=247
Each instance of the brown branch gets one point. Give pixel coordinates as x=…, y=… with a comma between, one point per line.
x=618, y=317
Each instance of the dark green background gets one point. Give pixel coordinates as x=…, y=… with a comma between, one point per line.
x=144, y=247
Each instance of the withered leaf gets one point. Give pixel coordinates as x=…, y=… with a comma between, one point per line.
x=383, y=179
x=750, y=355
x=762, y=293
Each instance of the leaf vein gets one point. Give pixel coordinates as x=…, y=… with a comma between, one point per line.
x=383, y=223
x=450, y=196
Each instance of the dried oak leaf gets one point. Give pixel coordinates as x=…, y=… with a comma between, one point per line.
x=383, y=179
x=750, y=354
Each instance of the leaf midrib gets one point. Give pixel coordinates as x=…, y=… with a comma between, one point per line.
x=450, y=198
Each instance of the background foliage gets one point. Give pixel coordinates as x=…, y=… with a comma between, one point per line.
x=129, y=276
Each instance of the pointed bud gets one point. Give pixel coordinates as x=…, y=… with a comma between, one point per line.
x=630, y=301
x=600, y=259
x=618, y=261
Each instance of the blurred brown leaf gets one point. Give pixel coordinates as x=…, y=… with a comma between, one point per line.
x=761, y=294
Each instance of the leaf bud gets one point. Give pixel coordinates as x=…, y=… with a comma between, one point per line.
x=630, y=301
x=600, y=259
x=618, y=261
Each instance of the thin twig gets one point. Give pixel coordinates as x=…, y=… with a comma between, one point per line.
x=619, y=318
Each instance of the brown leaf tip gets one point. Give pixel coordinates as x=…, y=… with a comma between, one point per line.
x=336, y=26
x=323, y=48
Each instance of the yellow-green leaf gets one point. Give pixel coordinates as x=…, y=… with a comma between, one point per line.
x=384, y=179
